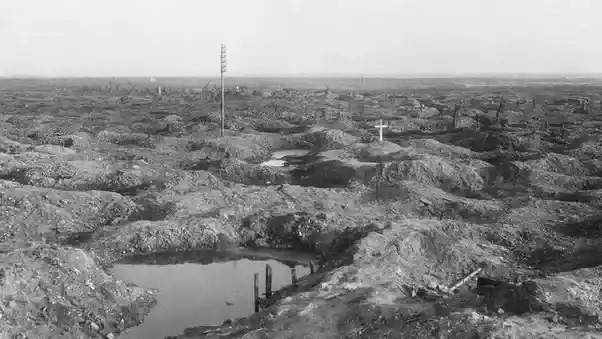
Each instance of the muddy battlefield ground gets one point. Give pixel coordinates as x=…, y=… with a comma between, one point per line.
x=469, y=178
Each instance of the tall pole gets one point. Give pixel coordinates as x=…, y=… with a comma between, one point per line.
x=222, y=71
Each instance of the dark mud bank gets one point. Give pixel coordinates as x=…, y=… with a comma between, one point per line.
x=317, y=233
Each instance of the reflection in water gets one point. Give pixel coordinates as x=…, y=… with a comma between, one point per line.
x=291, y=152
x=194, y=295
x=278, y=160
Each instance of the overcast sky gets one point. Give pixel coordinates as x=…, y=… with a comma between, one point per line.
x=288, y=37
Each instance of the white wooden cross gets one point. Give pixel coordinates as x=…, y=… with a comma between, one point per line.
x=380, y=127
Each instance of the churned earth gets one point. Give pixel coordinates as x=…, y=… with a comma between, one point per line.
x=396, y=224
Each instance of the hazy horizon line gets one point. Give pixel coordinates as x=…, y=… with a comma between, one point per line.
x=326, y=76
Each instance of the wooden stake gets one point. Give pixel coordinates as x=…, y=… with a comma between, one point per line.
x=463, y=281
x=268, y=281
x=256, y=291
x=294, y=275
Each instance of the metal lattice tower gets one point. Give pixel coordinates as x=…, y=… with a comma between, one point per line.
x=222, y=71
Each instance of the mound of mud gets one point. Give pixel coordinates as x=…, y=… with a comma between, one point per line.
x=123, y=181
x=55, y=134
x=273, y=126
x=76, y=141
x=559, y=182
x=588, y=149
x=320, y=233
x=376, y=151
x=254, y=148
x=126, y=138
x=418, y=252
x=448, y=175
x=160, y=125
x=424, y=200
x=394, y=285
x=507, y=141
x=334, y=172
x=337, y=124
x=35, y=169
x=9, y=146
x=182, y=182
x=576, y=296
x=147, y=126
x=327, y=139
x=545, y=182
x=558, y=163
x=343, y=153
x=213, y=117
x=142, y=237
x=50, y=292
x=368, y=152
x=298, y=230
x=434, y=147
x=33, y=212
x=238, y=171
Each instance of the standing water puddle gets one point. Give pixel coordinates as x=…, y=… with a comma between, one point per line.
x=194, y=294
x=277, y=157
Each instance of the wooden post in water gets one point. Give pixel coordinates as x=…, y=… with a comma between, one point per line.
x=268, y=281
x=256, y=291
x=294, y=275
